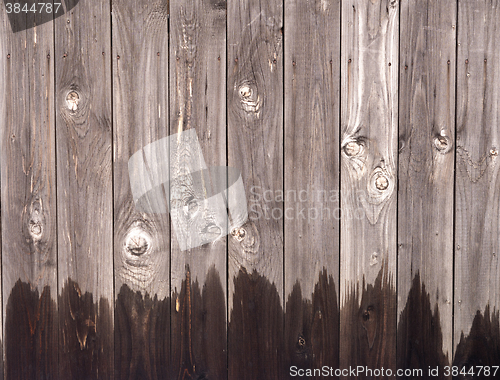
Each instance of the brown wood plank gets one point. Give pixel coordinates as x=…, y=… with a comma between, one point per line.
x=369, y=125
x=426, y=183
x=477, y=192
x=28, y=197
x=84, y=191
x=255, y=147
x=141, y=240
x=198, y=274
x=312, y=209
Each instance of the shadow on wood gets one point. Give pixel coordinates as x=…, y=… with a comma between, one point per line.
x=31, y=334
x=199, y=329
x=86, y=335
x=420, y=339
x=312, y=339
x=142, y=336
x=482, y=346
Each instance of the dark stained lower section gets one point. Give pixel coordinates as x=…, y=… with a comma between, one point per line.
x=31, y=334
x=312, y=328
x=142, y=336
x=482, y=346
x=86, y=335
x=368, y=329
x=255, y=330
x=420, y=339
x=184, y=337
x=199, y=329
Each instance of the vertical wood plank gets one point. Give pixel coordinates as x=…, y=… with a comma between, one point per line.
x=477, y=192
x=141, y=240
x=84, y=191
x=312, y=209
x=255, y=147
x=198, y=274
x=369, y=125
x=29, y=255
x=426, y=183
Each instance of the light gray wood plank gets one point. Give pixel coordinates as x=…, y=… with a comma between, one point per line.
x=369, y=125
x=141, y=240
x=477, y=192
x=311, y=202
x=426, y=167
x=255, y=147
x=198, y=103
x=28, y=197
x=84, y=190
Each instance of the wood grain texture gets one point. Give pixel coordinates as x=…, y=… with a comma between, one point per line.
x=141, y=241
x=197, y=99
x=311, y=204
x=84, y=191
x=369, y=124
x=255, y=147
x=29, y=256
x=426, y=164
x=477, y=192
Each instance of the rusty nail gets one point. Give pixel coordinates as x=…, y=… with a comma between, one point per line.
x=218, y=58
x=102, y=53
x=236, y=59
x=8, y=56
x=389, y=64
x=65, y=55
x=293, y=63
x=406, y=67
x=448, y=62
x=117, y=57
x=466, y=61
x=158, y=54
x=274, y=61
x=485, y=60
x=349, y=61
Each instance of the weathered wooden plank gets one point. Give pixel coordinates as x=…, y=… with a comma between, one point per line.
x=477, y=191
x=84, y=191
x=426, y=183
x=311, y=204
x=255, y=147
x=141, y=240
x=29, y=256
x=198, y=274
x=369, y=124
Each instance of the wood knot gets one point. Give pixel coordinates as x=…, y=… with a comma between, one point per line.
x=72, y=100
x=367, y=313
x=301, y=342
x=35, y=229
x=238, y=233
x=249, y=101
x=138, y=242
x=35, y=221
x=442, y=143
x=352, y=149
x=381, y=182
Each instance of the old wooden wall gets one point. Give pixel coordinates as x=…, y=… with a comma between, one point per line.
x=367, y=133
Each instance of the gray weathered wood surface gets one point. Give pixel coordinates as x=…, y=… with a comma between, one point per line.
x=477, y=189
x=426, y=158
x=369, y=125
x=378, y=119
